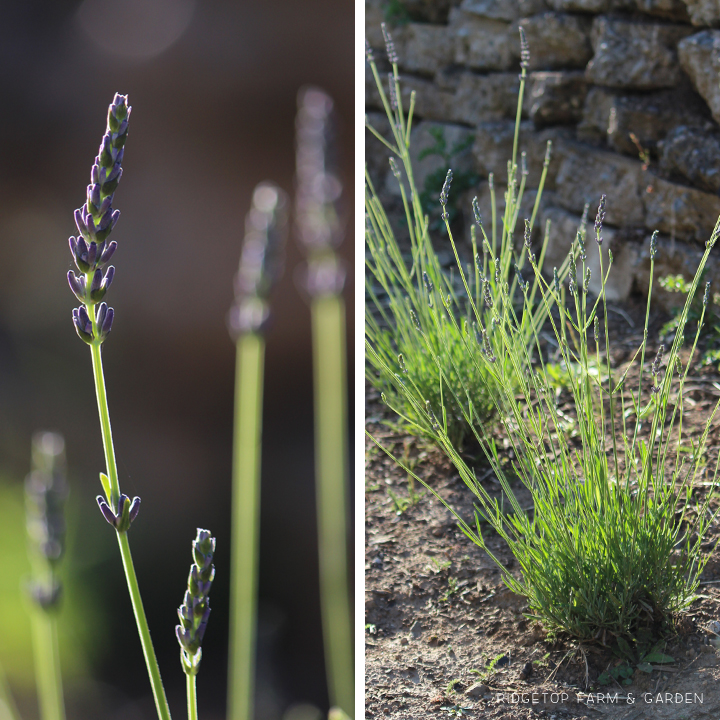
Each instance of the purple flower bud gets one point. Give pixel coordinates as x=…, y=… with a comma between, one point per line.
x=83, y=326
x=107, y=324
x=108, y=514
x=107, y=253
x=80, y=222
x=93, y=195
x=100, y=313
x=77, y=285
x=134, y=508
x=96, y=292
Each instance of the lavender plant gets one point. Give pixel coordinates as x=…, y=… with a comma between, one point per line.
x=260, y=264
x=319, y=229
x=406, y=285
x=194, y=613
x=45, y=494
x=614, y=538
x=91, y=252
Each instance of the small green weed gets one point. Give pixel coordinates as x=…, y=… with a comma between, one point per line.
x=452, y=589
x=489, y=668
x=438, y=566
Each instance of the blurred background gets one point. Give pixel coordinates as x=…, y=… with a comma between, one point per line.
x=213, y=87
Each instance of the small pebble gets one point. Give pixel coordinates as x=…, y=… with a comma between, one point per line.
x=477, y=690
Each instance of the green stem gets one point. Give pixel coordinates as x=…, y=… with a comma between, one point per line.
x=105, y=428
x=7, y=703
x=191, y=696
x=148, y=651
x=328, y=321
x=47, y=666
x=245, y=524
x=161, y=703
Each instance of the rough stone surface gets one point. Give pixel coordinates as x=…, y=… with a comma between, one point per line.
x=555, y=98
x=374, y=16
x=483, y=44
x=609, y=118
x=589, y=6
x=700, y=58
x=557, y=40
x=458, y=143
x=430, y=11
x=586, y=173
x=424, y=48
x=485, y=97
x=679, y=211
x=635, y=55
x=668, y=9
x=703, y=12
x=694, y=155
x=507, y=10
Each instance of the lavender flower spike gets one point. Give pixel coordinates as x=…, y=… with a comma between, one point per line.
x=195, y=610
x=95, y=220
x=260, y=259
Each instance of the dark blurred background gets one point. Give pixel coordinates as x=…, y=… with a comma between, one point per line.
x=213, y=87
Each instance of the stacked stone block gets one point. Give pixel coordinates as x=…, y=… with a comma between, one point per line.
x=627, y=90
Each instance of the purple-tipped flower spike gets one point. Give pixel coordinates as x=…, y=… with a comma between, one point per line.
x=127, y=512
x=476, y=212
x=319, y=193
x=95, y=220
x=389, y=44
x=599, y=219
x=524, y=51
x=446, y=190
x=195, y=610
x=260, y=259
x=46, y=491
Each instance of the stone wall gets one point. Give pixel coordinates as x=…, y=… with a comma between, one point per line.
x=627, y=90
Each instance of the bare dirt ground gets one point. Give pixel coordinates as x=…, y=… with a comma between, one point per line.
x=445, y=638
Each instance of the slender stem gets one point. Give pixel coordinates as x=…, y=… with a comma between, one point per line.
x=245, y=524
x=191, y=696
x=328, y=321
x=105, y=428
x=161, y=703
x=148, y=651
x=47, y=665
x=7, y=703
